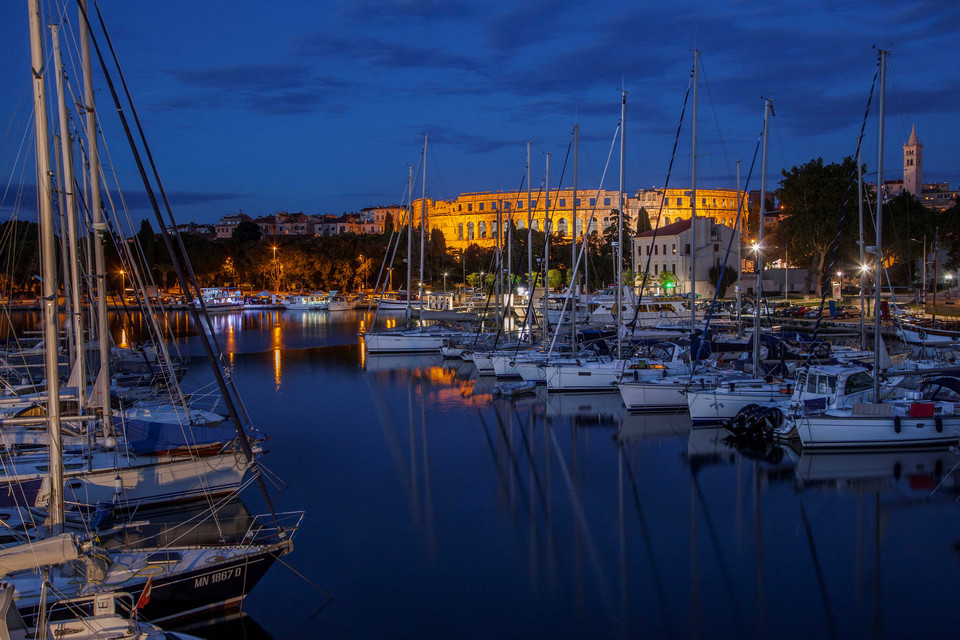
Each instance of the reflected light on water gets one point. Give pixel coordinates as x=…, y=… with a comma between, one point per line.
x=276, y=368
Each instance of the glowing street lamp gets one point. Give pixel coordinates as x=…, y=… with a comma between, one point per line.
x=276, y=268
x=123, y=284
x=445, y=274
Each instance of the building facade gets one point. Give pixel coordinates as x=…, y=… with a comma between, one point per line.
x=227, y=224
x=720, y=205
x=479, y=218
x=913, y=164
x=669, y=249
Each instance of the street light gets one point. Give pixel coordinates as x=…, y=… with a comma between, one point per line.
x=364, y=271
x=445, y=274
x=123, y=284
x=276, y=269
x=390, y=276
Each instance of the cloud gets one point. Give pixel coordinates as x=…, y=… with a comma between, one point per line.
x=136, y=200
x=386, y=54
x=400, y=10
x=261, y=88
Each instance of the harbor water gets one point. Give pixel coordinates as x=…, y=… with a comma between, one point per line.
x=435, y=509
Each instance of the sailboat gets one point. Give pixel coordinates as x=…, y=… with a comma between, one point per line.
x=924, y=417
x=182, y=581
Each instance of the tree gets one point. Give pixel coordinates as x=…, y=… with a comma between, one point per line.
x=729, y=277
x=388, y=224
x=813, y=197
x=668, y=281
x=643, y=221
x=247, y=231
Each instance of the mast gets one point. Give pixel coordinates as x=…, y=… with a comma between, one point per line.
x=409, y=239
x=693, y=208
x=546, y=256
x=863, y=260
x=71, y=259
x=619, y=248
x=573, y=241
x=531, y=283
x=759, y=257
x=48, y=256
x=423, y=224
x=99, y=226
x=878, y=256
x=739, y=225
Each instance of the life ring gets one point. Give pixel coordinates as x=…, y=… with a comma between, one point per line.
x=922, y=334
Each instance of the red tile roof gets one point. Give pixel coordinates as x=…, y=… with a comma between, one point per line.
x=670, y=230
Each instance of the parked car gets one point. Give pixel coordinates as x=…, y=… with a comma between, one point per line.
x=848, y=311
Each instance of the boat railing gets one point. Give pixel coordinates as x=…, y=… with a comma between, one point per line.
x=266, y=528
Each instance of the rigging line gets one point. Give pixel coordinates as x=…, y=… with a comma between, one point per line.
x=581, y=257
x=656, y=227
x=900, y=101
x=824, y=277
x=208, y=339
x=716, y=118
x=436, y=169
x=736, y=231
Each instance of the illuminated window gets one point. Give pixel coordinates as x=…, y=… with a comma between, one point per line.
x=482, y=228
x=460, y=232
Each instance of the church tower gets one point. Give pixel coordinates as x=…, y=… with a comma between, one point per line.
x=913, y=164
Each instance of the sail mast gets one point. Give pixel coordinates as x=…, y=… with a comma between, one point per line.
x=878, y=256
x=531, y=283
x=617, y=252
x=71, y=259
x=863, y=260
x=423, y=223
x=409, y=239
x=759, y=255
x=48, y=256
x=573, y=241
x=102, y=382
x=546, y=256
x=693, y=207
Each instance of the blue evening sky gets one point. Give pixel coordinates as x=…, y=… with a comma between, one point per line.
x=320, y=106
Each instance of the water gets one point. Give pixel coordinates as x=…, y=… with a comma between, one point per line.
x=434, y=510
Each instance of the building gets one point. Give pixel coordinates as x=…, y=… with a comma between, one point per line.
x=913, y=164
x=227, y=224
x=477, y=218
x=668, y=249
x=938, y=196
x=721, y=205
x=378, y=216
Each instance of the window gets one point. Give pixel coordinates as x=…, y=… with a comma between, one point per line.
x=579, y=227
x=714, y=202
x=673, y=268
x=506, y=206
x=577, y=202
x=493, y=206
x=482, y=228
x=666, y=221
x=493, y=229
x=664, y=248
x=606, y=202
x=469, y=207
x=533, y=204
x=648, y=249
x=562, y=227
x=460, y=232
x=674, y=249
x=686, y=249
x=593, y=202
x=481, y=206
x=655, y=250
x=563, y=202
x=521, y=224
x=703, y=201
x=655, y=271
x=519, y=204
x=535, y=225
x=469, y=230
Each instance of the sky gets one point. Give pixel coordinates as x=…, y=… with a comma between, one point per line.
x=321, y=106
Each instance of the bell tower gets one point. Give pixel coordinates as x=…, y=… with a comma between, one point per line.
x=913, y=164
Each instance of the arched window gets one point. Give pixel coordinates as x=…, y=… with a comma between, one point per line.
x=535, y=225
x=493, y=229
x=593, y=227
x=579, y=227
x=469, y=231
x=562, y=227
x=482, y=229
x=460, y=232
x=521, y=224
x=666, y=221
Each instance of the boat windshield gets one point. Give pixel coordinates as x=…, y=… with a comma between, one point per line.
x=821, y=384
x=858, y=382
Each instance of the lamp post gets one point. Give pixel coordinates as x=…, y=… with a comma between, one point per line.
x=445, y=274
x=840, y=280
x=276, y=269
x=123, y=285
x=364, y=271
